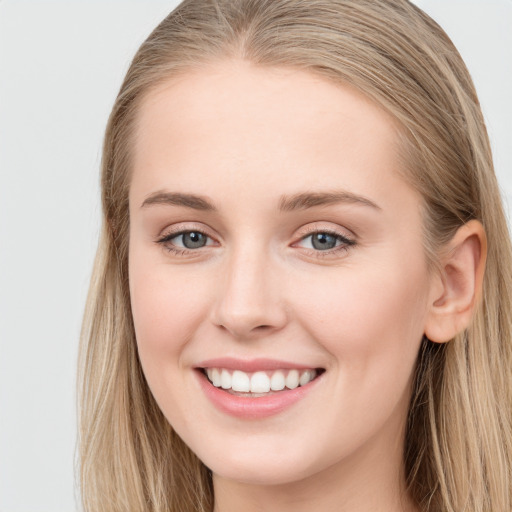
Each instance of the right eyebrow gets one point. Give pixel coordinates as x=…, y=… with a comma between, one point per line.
x=179, y=199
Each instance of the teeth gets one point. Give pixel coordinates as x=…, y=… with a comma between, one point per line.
x=215, y=378
x=259, y=382
x=240, y=382
x=277, y=381
x=225, y=380
x=292, y=379
x=306, y=377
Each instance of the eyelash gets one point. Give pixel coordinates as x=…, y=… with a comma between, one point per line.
x=345, y=243
x=178, y=251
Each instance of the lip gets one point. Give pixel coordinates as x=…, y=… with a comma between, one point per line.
x=254, y=408
x=253, y=365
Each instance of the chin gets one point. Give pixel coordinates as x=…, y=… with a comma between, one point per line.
x=261, y=474
x=266, y=467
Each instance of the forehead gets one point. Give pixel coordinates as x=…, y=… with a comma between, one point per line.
x=233, y=124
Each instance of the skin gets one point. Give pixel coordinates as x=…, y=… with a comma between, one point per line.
x=243, y=137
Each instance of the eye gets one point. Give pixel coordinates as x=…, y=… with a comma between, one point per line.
x=180, y=242
x=325, y=241
x=190, y=240
x=321, y=241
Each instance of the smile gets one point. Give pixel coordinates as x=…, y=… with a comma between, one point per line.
x=259, y=383
x=258, y=389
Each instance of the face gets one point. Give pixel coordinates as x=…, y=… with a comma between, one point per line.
x=278, y=280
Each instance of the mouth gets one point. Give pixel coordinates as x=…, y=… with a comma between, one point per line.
x=258, y=388
x=261, y=383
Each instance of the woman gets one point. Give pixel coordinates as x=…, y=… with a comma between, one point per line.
x=302, y=293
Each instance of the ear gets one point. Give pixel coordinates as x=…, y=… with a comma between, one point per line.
x=457, y=288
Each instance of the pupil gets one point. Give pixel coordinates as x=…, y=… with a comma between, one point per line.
x=323, y=241
x=193, y=240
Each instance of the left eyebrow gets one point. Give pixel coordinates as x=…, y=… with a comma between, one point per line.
x=305, y=200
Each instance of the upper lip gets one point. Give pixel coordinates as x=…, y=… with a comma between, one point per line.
x=252, y=365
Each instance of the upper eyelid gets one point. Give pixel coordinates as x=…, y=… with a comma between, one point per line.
x=313, y=228
x=301, y=233
x=171, y=235
x=344, y=245
x=334, y=234
x=181, y=228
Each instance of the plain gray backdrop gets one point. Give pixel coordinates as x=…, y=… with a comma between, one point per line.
x=61, y=64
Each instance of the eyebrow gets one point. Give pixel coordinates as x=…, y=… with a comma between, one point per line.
x=179, y=199
x=301, y=201
x=306, y=200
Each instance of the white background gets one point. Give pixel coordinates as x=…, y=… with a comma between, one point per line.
x=61, y=64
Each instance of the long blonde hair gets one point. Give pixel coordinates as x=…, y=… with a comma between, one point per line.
x=458, y=451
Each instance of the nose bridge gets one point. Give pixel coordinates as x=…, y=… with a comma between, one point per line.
x=249, y=299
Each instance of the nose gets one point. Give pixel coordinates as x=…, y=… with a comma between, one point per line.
x=249, y=299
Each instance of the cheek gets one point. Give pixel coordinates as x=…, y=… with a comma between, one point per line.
x=371, y=324
x=167, y=309
x=368, y=317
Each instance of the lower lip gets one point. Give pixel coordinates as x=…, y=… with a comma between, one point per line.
x=254, y=408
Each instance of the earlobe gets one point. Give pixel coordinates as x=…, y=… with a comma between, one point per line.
x=458, y=287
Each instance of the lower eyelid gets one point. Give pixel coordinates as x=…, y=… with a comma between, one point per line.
x=334, y=252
